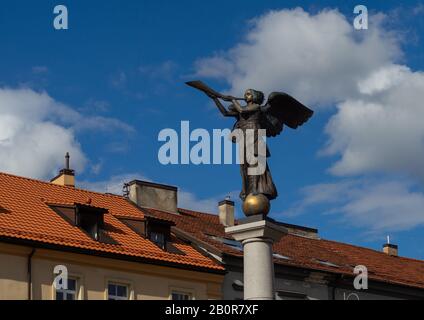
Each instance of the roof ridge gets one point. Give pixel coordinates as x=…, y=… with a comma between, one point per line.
x=200, y=212
x=59, y=186
x=370, y=249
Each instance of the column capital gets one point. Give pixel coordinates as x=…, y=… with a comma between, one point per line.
x=262, y=229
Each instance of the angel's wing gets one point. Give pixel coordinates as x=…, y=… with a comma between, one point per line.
x=282, y=109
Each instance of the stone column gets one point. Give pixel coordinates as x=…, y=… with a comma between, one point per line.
x=257, y=236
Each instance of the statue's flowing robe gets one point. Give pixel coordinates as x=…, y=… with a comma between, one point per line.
x=253, y=183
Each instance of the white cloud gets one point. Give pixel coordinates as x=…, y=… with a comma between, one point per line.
x=36, y=131
x=215, y=67
x=383, y=131
x=383, y=79
x=79, y=122
x=188, y=200
x=377, y=206
x=317, y=58
x=30, y=144
x=112, y=185
x=96, y=167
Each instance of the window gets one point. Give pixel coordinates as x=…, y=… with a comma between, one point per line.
x=90, y=223
x=90, y=219
x=158, y=239
x=68, y=294
x=181, y=296
x=159, y=231
x=117, y=292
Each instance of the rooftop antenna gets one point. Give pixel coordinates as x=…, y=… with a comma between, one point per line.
x=228, y=198
x=126, y=190
x=388, y=239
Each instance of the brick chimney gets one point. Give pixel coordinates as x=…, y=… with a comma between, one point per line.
x=153, y=195
x=390, y=249
x=66, y=176
x=226, y=212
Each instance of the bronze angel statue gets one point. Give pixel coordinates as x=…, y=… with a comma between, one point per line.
x=280, y=110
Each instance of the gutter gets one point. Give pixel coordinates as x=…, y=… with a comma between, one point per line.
x=30, y=273
x=104, y=254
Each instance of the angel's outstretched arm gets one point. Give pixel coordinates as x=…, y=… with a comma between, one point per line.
x=248, y=108
x=237, y=106
x=223, y=110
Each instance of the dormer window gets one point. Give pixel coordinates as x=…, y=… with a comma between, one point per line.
x=158, y=238
x=90, y=219
x=154, y=229
x=90, y=223
x=158, y=231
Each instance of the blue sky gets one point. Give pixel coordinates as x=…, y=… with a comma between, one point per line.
x=105, y=88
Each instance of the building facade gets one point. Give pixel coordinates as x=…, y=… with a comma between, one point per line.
x=29, y=274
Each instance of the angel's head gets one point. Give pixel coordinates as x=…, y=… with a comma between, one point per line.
x=254, y=96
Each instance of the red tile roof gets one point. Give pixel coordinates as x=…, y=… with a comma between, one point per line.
x=314, y=254
x=26, y=215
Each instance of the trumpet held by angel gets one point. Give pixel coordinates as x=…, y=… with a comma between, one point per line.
x=279, y=111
